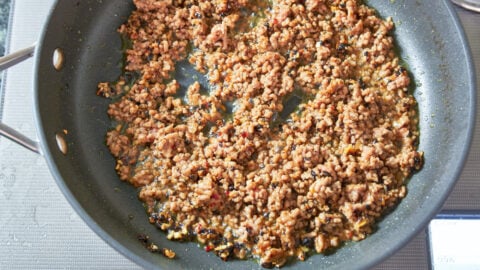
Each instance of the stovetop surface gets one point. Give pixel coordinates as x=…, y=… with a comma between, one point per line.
x=40, y=230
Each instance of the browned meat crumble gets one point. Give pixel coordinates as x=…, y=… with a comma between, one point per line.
x=264, y=180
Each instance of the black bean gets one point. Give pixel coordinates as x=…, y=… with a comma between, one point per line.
x=308, y=242
x=362, y=83
x=217, y=241
x=125, y=160
x=267, y=25
x=225, y=253
x=268, y=265
x=207, y=231
x=237, y=245
x=143, y=238
x=150, y=57
x=417, y=162
x=325, y=173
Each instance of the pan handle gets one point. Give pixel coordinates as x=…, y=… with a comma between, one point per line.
x=6, y=131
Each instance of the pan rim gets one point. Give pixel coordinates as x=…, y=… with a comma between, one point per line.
x=47, y=155
x=440, y=200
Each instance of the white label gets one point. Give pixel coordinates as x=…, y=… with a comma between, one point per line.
x=455, y=244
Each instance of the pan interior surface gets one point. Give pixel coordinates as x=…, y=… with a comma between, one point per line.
x=431, y=43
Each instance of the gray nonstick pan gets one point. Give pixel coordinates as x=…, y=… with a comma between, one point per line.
x=80, y=47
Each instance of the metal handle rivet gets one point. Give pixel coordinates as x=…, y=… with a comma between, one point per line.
x=58, y=59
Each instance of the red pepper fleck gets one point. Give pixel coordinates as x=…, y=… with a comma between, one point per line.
x=244, y=134
x=208, y=248
x=275, y=21
x=215, y=196
x=227, y=193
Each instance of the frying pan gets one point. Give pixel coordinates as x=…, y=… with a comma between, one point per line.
x=431, y=42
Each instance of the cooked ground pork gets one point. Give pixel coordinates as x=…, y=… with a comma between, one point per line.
x=304, y=138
